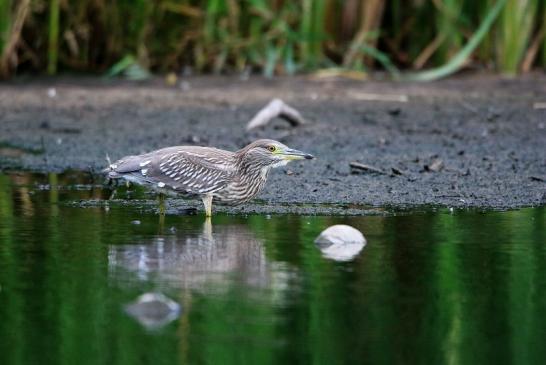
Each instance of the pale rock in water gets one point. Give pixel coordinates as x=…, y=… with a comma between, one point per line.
x=153, y=310
x=340, y=242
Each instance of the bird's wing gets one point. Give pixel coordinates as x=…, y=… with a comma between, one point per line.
x=195, y=172
x=189, y=170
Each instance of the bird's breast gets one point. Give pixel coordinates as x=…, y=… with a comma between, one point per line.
x=242, y=189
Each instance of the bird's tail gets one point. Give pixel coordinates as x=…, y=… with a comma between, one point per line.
x=110, y=170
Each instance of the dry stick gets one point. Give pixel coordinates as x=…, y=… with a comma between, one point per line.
x=275, y=108
x=428, y=51
x=15, y=33
x=372, y=13
x=338, y=72
x=533, y=50
x=366, y=168
x=401, y=98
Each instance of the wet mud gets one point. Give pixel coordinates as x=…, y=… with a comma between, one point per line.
x=468, y=142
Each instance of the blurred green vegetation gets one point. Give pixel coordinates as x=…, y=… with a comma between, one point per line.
x=268, y=36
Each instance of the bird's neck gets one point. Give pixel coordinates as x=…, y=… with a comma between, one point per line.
x=249, y=168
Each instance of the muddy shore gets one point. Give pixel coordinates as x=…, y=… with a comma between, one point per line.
x=466, y=142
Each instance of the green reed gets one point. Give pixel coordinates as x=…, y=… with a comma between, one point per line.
x=515, y=32
x=270, y=36
x=53, y=49
x=5, y=21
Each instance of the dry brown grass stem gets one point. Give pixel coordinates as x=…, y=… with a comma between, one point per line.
x=370, y=21
x=532, y=51
x=429, y=50
x=13, y=38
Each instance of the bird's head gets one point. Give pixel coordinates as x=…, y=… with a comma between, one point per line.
x=270, y=153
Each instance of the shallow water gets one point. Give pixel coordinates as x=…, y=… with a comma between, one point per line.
x=429, y=287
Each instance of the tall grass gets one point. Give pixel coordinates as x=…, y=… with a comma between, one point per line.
x=515, y=32
x=448, y=22
x=53, y=50
x=12, y=25
x=5, y=22
x=268, y=36
x=543, y=15
x=462, y=56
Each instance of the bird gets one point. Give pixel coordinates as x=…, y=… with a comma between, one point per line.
x=208, y=173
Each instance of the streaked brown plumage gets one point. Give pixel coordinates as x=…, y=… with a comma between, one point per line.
x=210, y=173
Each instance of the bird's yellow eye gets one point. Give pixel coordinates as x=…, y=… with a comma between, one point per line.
x=271, y=148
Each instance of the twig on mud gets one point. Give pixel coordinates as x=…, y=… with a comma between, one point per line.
x=401, y=98
x=435, y=166
x=276, y=108
x=357, y=166
x=397, y=171
x=538, y=178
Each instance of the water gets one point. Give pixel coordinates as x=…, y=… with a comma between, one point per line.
x=429, y=287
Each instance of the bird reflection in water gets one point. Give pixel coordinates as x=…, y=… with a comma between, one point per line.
x=225, y=253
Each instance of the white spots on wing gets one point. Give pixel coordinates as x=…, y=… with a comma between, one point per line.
x=113, y=166
x=142, y=164
x=194, y=154
x=160, y=184
x=144, y=172
x=171, y=157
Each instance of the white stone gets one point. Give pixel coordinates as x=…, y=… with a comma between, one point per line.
x=340, y=242
x=153, y=310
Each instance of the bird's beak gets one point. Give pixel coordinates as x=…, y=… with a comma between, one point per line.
x=290, y=154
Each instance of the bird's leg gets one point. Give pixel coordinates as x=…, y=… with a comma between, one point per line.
x=207, y=229
x=161, y=198
x=207, y=201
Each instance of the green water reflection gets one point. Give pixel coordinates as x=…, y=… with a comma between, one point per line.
x=439, y=288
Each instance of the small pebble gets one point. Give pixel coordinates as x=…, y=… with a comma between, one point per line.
x=135, y=222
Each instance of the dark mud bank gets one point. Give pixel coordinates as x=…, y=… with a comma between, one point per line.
x=461, y=143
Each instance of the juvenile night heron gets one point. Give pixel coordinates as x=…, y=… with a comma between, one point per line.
x=206, y=172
